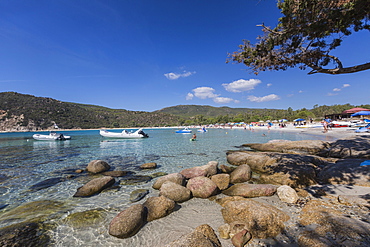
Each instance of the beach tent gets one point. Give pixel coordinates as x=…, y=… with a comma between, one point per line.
x=283, y=120
x=299, y=120
x=361, y=113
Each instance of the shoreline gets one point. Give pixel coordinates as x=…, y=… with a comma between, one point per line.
x=336, y=133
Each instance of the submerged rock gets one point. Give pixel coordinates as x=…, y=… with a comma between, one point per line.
x=86, y=218
x=42, y=210
x=135, y=179
x=97, y=166
x=46, y=183
x=115, y=173
x=150, y=165
x=138, y=194
x=25, y=234
x=158, y=174
x=95, y=186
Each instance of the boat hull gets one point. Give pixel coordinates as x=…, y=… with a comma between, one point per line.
x=124, y=135
x=51, y=137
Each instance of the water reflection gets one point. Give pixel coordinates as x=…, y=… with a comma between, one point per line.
x=40, y=145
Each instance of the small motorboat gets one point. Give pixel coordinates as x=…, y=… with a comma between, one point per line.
x=184, y=131
x=363, y=129
x=124, y=134
x=52, y=136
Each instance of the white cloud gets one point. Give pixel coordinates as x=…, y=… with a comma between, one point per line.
x=223, y=100
x=175, y=76
x=300, y=91
x=338, y=89
x=241, y=85
x=204, y=92
x=189, y=96
x=269, y=84
x=266, y=98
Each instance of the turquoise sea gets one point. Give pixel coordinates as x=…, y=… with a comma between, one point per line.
x=26, y=162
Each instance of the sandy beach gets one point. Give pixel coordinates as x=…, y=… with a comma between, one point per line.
x=197, y=211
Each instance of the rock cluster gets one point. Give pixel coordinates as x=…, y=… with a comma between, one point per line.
x=275, y=193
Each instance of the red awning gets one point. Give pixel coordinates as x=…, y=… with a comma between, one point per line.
x=354, y=110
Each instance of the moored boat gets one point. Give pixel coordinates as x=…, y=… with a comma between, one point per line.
x=52, y=136
x=124, y=134
x=184, y=131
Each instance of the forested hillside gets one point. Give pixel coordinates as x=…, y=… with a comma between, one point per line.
x=42, y=113
x=207, y=114
x=27, y=112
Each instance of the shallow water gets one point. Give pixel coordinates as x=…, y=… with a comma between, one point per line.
x=25, y=162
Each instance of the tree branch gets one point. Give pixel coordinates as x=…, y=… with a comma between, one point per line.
x=339, y=70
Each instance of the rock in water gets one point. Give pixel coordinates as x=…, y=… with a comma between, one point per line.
x=128, y=222
x=46, y=183
x=94, y=186
x=97, y=166
x=138, y=194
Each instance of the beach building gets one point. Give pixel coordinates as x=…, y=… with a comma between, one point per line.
x=346, y=113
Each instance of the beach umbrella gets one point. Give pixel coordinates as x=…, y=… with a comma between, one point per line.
x=261, y=121
x=361, y=113
x=299, y=120
x=283, y=120
x=267, y=121
x=274, y=121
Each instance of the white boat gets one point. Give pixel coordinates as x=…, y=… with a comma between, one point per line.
x=52, y=136
x=184, y=131
x=124, y=134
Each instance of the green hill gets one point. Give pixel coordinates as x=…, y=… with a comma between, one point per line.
x=27, y=112
x=36, y=113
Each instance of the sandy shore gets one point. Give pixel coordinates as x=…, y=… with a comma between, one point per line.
x=203, y=211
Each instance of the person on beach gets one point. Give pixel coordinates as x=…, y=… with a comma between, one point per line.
x=325, y=125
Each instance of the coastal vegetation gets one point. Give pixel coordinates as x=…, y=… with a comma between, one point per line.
x=306, y=36
x=38, y=113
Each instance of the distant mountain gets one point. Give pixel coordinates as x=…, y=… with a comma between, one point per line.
x=21, y=112
x=210, y=111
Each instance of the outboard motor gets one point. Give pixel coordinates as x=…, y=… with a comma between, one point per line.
x=61, y=137
x=142, y=133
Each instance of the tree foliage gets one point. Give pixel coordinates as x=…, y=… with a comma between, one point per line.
x=305, y=37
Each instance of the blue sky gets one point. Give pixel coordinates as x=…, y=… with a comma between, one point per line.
x=146, y=55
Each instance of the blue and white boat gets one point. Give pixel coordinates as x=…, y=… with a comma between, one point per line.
x=202, y=129
x=184, y=131
x=363, y=129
